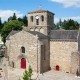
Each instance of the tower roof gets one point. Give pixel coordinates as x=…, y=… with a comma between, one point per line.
x=40, y=11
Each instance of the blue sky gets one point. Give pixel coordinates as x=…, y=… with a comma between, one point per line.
x=64, y=9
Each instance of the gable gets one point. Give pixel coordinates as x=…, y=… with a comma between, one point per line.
x=26, y=33
x=19, y=35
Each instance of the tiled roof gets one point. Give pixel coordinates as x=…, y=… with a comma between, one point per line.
x=39, y=11
x=40, y=35
x=64, y=34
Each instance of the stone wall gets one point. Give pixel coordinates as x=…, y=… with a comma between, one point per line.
x=61, y=54
x=28, y=41
x=44, y=26
x=32, y=24
x=74, y=62
x=45, y=63
x=32, y=51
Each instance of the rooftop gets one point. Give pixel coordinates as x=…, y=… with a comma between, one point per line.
x=64, y=34
x=39, y=11
x=40, y=35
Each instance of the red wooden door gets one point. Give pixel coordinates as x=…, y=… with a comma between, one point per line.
x=57, y=68
x=23, y=63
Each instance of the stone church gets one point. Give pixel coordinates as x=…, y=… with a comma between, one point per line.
x=42, y=47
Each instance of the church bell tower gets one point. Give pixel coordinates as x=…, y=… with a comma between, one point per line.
x=41, y=21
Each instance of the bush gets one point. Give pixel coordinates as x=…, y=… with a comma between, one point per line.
x=27, y=74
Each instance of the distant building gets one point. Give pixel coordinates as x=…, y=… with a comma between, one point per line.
x=42, y=47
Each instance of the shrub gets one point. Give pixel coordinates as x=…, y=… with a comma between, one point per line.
x=27, y=74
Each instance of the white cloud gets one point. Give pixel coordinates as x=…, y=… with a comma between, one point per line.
x=68, y=3
x=5, y=14
x=76, y=18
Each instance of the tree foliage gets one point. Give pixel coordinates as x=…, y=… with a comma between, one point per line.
x=10, y=18
x=20, y=19
x=28, y=73
x=1, y=25
x=0, y=22
x=13, y=23
x=14, y=16
x=9, y=26
x=68, y=24
x=25, y=20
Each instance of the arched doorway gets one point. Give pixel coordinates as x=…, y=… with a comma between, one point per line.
x=23, y=63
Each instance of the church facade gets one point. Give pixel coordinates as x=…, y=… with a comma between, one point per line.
x=42, y=47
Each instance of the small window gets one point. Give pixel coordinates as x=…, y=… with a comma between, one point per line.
x=31, y=18
x=42, y=18
x=22, y=50
x=37, y=21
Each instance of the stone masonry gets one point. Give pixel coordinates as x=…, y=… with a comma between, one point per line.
x=43, y=47
x=62, y=54
x=32, y=50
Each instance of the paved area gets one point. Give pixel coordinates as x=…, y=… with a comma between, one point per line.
x=8, y=73
x=56, y=75
x=16, y=74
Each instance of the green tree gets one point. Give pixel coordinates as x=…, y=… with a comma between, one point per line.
x=20, y=19
x=1, y=25
x=14, y=16
x=0, y=22
x=9, y=26
x=28, y=73
x=25, y=21
x=60, y=22
x=70, y=25
x=10, y=18
x=56, y=26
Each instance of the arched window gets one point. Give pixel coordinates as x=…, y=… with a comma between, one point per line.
x=31, y=18
x=22, y=49
x=42, y=18
x=37, y=21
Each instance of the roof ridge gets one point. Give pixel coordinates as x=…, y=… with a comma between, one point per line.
x=39, y=11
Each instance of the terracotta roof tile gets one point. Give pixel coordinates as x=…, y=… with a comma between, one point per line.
x=38, y=11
